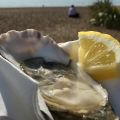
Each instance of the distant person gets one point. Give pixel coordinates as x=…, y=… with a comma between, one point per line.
x=72, y=12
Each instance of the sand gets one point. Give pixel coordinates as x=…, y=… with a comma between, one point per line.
x=50, y=21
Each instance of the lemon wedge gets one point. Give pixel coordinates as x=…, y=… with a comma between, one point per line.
x=99, y=55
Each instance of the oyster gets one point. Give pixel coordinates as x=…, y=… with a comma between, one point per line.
x=73, y=94
x=68, y=89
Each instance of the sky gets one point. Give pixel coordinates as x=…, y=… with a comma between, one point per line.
x=39, y=3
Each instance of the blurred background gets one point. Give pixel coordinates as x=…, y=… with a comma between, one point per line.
x=54, y=17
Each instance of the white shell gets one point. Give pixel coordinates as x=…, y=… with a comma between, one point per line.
x=21, y=45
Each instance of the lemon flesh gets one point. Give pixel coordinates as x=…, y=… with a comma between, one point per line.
x=99, y=55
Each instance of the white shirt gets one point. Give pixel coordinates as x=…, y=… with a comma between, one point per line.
x=72, y=11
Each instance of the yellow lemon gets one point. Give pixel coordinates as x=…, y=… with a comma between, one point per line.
x=99, y=55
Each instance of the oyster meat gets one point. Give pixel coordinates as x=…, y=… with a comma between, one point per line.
x=68, y=89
